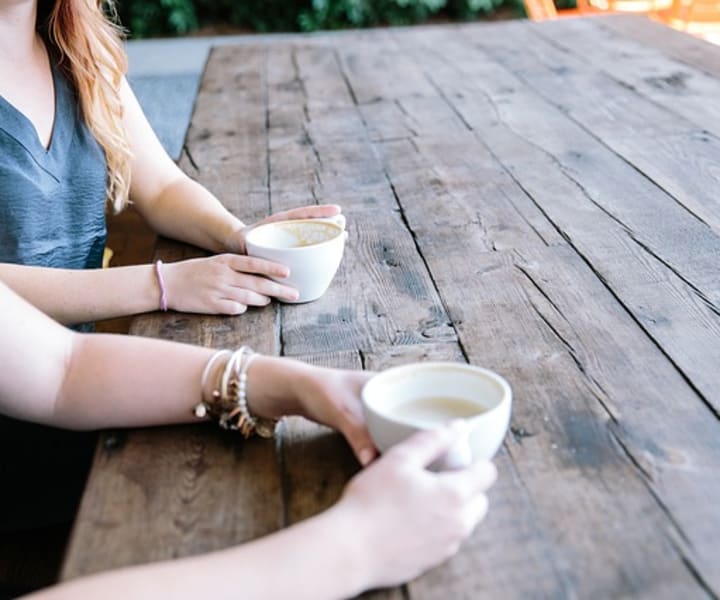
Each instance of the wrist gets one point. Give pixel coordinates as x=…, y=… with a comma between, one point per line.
x=272, y=386
x=350, y=552
x=152, y=289
x=230, y=237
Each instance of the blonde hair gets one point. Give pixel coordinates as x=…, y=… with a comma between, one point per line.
x=92, y=56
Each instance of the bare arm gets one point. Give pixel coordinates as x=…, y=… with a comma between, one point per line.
x=395, y=520
x=175, y=205
x=315, y=560
x=78, y=296
x=51, y=375
x=222, y=284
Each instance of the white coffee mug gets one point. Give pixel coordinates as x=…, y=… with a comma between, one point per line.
x=311, y=248
x=403, y=400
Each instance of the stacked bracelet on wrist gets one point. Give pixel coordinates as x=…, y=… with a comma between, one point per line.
x=224, y=394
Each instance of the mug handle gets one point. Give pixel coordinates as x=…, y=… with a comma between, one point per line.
x=459, y=455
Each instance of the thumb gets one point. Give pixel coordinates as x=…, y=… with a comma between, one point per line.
x=424, y=447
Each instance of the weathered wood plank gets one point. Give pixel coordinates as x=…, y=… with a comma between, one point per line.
x=681, y=158
x=377, y=69
x=456, y=180
x=631, y=231
x=410, y=117
x=307, y=489
x=165, y=493
x=688, y=96
x=485, y=328
x=650, y=72
x=225, y=147
x=497, y=215
x=176, y=515
x=681, y=46
x=571, y=398
x=314, y=144
x=382, y=294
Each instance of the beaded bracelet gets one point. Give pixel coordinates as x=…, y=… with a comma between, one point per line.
x=227, y=402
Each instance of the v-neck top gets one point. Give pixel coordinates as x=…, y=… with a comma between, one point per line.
x=52, y=200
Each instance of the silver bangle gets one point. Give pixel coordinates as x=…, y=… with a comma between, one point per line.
x=228, y=401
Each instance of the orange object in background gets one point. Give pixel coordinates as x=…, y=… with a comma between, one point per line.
x=698, y=17
x=632, y=6
x=542, y=10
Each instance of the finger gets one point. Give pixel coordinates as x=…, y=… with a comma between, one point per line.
x=357, y=436
x=305, y=212
x=230, y=307
x=473, y=480
x=265, y=287
x=258, y=266
x=475, y=512
x=247, y=297
x=424, y=447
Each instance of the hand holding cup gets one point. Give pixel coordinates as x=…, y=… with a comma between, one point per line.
x=311, y=248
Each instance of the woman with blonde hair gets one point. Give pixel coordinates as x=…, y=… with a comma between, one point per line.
x=74, y=139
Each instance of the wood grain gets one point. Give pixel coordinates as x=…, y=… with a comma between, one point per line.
x=190, y=490
x=692, y=51
x=382, y=294
x=536, y=199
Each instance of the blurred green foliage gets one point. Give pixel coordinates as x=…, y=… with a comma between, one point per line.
x=144, y=18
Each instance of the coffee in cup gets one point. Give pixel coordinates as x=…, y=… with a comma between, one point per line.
x=311, y=248
x=403, y=400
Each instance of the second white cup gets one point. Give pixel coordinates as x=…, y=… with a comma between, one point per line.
x=403, y=400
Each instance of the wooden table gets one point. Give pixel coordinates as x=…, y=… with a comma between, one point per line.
x=540, y=199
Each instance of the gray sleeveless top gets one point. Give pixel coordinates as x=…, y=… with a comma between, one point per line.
x=52, y=201
x=52, y=213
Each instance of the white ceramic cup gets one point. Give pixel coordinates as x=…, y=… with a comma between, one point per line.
x=311, y=248
x=392, y=398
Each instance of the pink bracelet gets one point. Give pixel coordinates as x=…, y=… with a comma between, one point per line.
x=161, y=283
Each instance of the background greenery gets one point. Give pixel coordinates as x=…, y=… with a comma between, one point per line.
x=144, y=18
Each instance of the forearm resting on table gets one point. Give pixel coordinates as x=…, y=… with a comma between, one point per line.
x=186, y=211
x=131, y=394
x=52, y=375
x=317, y=559
x=73, y=296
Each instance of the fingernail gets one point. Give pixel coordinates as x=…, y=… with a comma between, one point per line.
x=365, y=456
